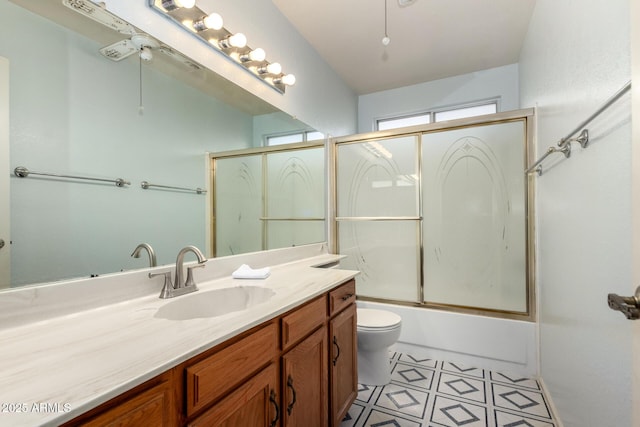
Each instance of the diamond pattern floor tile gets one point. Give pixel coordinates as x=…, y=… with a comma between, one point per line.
x=429, y=393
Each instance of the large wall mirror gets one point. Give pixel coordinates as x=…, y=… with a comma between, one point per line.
x=73, y=111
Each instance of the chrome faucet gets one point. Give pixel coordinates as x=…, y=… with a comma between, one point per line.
x=150, y=252
x=181, y=286
x=180, y=260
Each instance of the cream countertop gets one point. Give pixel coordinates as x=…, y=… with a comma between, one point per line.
x=76, y=361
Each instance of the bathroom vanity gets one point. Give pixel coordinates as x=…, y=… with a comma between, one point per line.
x=293, y=370
x=288, y=359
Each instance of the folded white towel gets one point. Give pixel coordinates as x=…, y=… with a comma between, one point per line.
x=246, y=272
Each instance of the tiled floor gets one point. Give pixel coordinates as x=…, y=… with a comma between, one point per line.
x=431, y=393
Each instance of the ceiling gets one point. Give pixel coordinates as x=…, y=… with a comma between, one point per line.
x=430, y=39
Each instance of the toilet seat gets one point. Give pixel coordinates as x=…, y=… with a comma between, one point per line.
x=377, y=320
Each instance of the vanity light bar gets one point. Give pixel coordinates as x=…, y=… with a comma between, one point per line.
x=209, y=28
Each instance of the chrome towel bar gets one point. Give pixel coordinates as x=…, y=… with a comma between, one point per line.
x=146, y=185
x=23, y=172
x=583, y=139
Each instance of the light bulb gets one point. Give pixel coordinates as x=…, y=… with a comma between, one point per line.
x=187, y=4
x=213, y=22
x=274, y=68
x=257, y=55
x=176, y=4
x=238, y=40
x=386, y=40
x=289, y=79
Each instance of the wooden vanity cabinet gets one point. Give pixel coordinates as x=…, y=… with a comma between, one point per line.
x=298, y=369
x=343, y=363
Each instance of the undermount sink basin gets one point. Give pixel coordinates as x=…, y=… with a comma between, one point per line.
x=216, y=302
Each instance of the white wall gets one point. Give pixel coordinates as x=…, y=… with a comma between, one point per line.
x=500, y=82
x=576, y=55
x=319, y=98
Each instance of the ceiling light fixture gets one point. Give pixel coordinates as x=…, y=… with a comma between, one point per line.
x=385, y=40
x=209, y=28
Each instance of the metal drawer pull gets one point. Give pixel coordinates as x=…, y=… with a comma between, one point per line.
x=293, y=391
x=346, y=297
x=272, y=399
x=335, y=342
x=629, y=306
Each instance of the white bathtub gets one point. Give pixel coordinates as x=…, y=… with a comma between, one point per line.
x=502, y=345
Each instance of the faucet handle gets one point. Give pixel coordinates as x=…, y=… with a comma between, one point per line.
x=190, y=281
x=167, y=289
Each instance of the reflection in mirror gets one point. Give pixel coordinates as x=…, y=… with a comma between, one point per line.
x=75, y=112
x=269, y=200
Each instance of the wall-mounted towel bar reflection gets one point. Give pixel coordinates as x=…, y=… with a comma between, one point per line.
x=564, y=145
x=23, y=172
x=146, y=185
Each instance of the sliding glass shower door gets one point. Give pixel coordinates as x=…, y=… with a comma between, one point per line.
x=474, y=226
x=438, y=217
x=268, y=199
x=378, y=217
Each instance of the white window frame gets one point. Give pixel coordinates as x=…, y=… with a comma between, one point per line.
x=431, y=114
x=304, y=137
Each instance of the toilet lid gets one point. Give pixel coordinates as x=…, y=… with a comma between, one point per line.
x=380, y=319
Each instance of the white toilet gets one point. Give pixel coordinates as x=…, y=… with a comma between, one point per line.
x=377, y=331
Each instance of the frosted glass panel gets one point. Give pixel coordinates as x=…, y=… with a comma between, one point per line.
x=474, y=226
x=238, y=208
x=378, y=178
x=387, y=255
x=295, y=184
x=283, y=234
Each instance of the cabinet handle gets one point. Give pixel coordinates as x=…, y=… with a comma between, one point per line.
x=293, y=391
x=272, y=399
x=335, y=342
x=346, y=297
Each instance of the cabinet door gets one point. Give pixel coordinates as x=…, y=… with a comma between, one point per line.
x=343, y=365
x=152, y=407
x=304, y=382
x=254, y=404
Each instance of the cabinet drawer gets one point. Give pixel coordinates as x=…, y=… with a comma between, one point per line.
x=303, y=321
x=211, y=378
x=342, y=296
